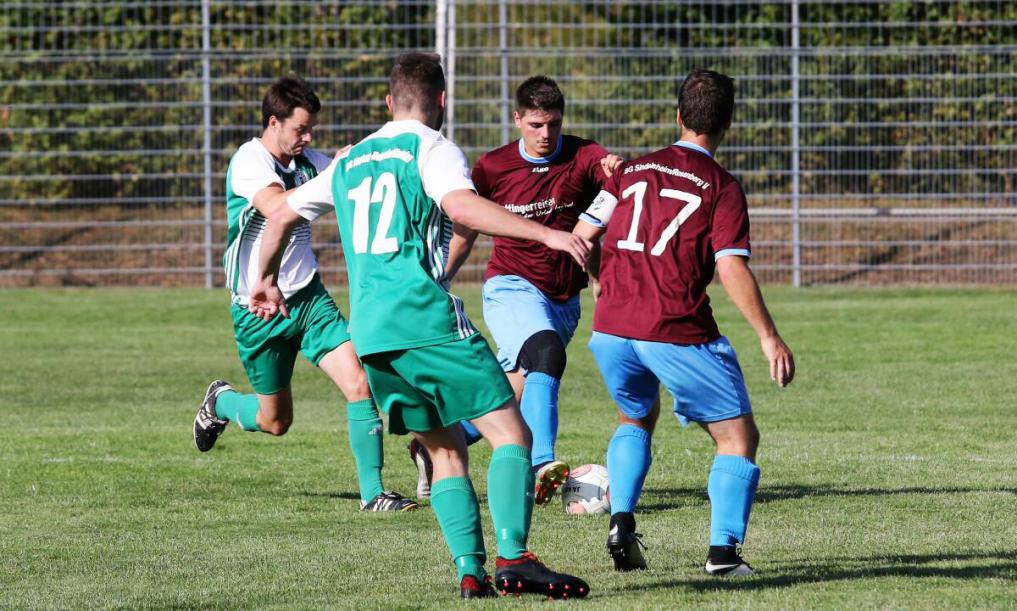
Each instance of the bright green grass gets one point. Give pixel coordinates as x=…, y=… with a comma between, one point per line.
x=888, y=468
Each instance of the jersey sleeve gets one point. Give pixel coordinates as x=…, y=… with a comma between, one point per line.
x=603, y=206
x=319, y=160
x=480, y=181
x=444, y=170
x=592, y=154
x=314, y=198
x=729, y=230
x=251, y=172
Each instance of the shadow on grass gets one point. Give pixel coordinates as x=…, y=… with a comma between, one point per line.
x=1001, y=565
x=770, y=494
x=346, y=496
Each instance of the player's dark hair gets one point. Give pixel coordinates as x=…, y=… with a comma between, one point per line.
x=285, y=95
x=706, y=102
x=416, y=81
x=539, y=93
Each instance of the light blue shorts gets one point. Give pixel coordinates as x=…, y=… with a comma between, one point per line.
x=705, y=379
x=514, y=310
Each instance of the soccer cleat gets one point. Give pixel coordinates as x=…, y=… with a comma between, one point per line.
x=726, y=561
x=208, y=426
x=425, y=471
x=624, y=544
x=548, y=478
x=471, y=587
x=389, y=501
x=527, y=574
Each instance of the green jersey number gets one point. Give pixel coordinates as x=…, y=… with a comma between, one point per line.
x=384, y=193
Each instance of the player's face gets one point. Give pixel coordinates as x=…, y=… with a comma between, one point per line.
x=540, y=130
x=293, y=134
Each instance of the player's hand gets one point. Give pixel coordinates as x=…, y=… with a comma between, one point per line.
x=595, y=289
x=342, y=152
x=576, y=246
x=782, y=362
x=610, y=163
x=267, y=301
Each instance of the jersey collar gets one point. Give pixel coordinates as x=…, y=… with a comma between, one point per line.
x=548, y=159
x=693, y=146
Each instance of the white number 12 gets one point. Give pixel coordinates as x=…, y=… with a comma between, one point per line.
x=384, y=193
x=638, y=190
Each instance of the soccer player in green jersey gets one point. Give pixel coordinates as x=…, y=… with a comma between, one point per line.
x=258, y=175
x=396, y=194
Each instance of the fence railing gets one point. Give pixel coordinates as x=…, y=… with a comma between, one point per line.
x=877, y=139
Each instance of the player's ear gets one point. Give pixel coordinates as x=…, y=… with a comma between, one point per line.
x=388, y=102
x=442, y=99
x=678, y=119
x=517, y=118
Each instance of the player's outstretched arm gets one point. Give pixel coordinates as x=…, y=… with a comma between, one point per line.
x=266, y=298
x=741, y=286
x=459, y=249
x=474, y=212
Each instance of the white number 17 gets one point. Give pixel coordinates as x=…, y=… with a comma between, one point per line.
x=638, y=190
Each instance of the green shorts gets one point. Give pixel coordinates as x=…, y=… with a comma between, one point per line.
x=268, y=349
x=437, y=386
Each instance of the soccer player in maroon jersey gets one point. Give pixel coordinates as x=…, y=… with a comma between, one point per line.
x=531, y=293
x=670, y=220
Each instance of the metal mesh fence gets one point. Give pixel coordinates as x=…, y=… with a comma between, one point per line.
x=876, y=139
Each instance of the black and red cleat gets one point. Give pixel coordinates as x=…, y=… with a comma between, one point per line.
x=527, y=574
x=471, y=587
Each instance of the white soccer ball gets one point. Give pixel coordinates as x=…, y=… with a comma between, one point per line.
x=586, y=490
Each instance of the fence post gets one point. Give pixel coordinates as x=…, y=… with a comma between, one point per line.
x=796, y=161
x=206, y=99
x=450, y=74
x=440, y=29
x=503, y=46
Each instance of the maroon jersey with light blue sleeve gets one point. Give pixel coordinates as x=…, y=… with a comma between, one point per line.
x=552, y=191
x=669, y=216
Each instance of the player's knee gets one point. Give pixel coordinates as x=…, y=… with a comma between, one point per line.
x=354, y=385
x=544, y=352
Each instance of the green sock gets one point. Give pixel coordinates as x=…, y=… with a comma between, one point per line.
x=455, y=505
x=510, y=497
x=366, y=430
x=242, y=409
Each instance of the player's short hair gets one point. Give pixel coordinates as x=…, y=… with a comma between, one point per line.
x=706, y=101
x=285, y=95
x=416, y=81
x=539, y=93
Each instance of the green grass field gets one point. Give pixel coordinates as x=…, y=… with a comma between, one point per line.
x=888, y=468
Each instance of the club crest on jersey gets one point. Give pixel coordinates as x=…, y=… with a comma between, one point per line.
x=540, y=170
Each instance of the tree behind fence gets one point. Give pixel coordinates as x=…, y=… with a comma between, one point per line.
x=876, y=140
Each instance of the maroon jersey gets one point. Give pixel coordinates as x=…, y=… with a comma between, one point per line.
x=672, y=213
x=552, y=191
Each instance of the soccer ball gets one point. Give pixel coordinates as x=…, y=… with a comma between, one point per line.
x=585, y=491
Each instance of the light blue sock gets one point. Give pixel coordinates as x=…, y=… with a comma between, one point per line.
x=732, y=488
x=628, y=462
x=539, y=407
x=471, y=433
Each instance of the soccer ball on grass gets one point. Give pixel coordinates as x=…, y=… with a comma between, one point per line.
x=586, y=490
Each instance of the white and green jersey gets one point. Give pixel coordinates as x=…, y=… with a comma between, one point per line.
x=386, y=193
x=251, y=169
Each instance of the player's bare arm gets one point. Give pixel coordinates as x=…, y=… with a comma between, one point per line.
x=474, y=212
x=741, y=286
x=459, y=249
x=266, y=298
